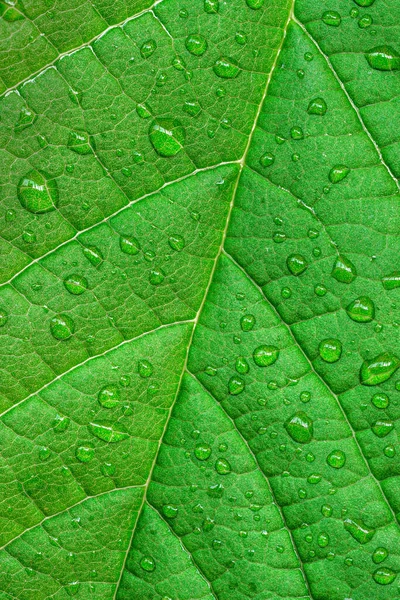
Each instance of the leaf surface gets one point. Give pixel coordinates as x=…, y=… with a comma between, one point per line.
x=199, y=300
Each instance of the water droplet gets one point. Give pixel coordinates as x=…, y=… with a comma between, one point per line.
x=365, y=21
x=227, y=68
x=317, y=106
x=3, y=318
x=73, y=588
x=108, y=469
x=37, y=192
x=202, y=451
x=247, y=322
x=336, y=459
x=330, y=350
x=338, y=173
x=389, y=451
x=79, y=143
x=383, y=58
x=93, y=255
x=392, y=281
x=156, y=276
x=61, y=424
x=384, y=576
x=296, y=133
x=236, y=385
x=358, y=531
x=380, y=400
x=176, y=242
x=326, y=510
x=264, y=355
x=26, y=117
x=332, y=18
x=267, y=159
x=167, y=136
x=75, y=284
x=62, y=327
x=170, y=511
x=192, y=108
x=148, y=564
x=84, y=453
x=145, y=368
x=305, y=397
x=222, y=466
x=379, y=555
x=379, y=369
x=255, y=4
x=296, y=263
x=323, y=540
x=108, y=432
x=320, y=290
x=344, y=270
x=241, y=365
x=148, y=48
x=129, y=245
x=196, y=44
x=286, y=293
x=300, y=428
x=109, y=396
x=211, y=6
x=44, y=453
x=364, y=3
x=241, y=38
x=361, y=310
x=382, y=428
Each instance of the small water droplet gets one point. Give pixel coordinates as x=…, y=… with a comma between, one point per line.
x=93, y=255
x=344, y=270
x=338, y=173
x=79, y=143
x=156, y=276
x=382, y=428
x=196, y=44
x=109, y=396
x=380, y=400
x=247, y=322
x=236, y=385
x=108, y=432
x=37, y=192
x=317, y=106
x=365, y=21
x=300, y=427
x=255, y=4
x=192, y=108
x=358, y=531
x=75, y=284
x=202, y=451
x=62, y=327
x=332, y=18
x=383, y=58
x=176, y=242
x=26, y=118
x=148, y=48
x=296, y=263
x=167, y=136
x=296, y=133
x=267, y=159
x=361, y=310
x=227, y=68
x=330, y=350
x=384, y=576
x=84, y=453
x=148, y=564
x=170, y=511
x=145, y=368
x=211, y=6
x=129, y=245
x=336, y=459
x=241, y=365
x=392, y=281
x=379, y=555
x=222, y=466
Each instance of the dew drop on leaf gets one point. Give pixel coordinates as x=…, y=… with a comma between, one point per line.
x=323, y=540
x=358, y=531
x=332, y=18
x=26, y=118
x=61, y=424
x=37, y=192
x=196, y=44
x=84, y=453
x=211, y=6
x=167, y=136
x=317, y=106
x=392, y=281
x=300, y=427
x=330, y=350
x=145, y=368
x=156, y=276
x=62, y=327
x=108, y=469
x=383, y=58
x=379, y=555
x=336, y=459
x=267, y=159
x=148, y=564
x=255, y=4
x=93, y=255
x=170, y=511
x=222, y=466
x=379, y=369
x=75, y=284
x=247, y=322
x=79, y=143
x=192, y=108
x=109, y=396
x=108, y=432
x=338, y=173
x=380, y=400
x=202, y=451
x=176, y=242
x=236, y=385
x=296, y=263
x=365, y=21
x=382, y=428
x=148, y=48
x=344, y=270
x=227, y=68
x=361, y=310
x=241, y=365
x=296, y=133
x=264, y=355
x=364, y=3
x=129, y=245
x=384, y=576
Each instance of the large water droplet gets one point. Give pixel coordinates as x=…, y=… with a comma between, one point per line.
x=145, y=368
x=247, y=322
x=241, y=365
x=382, y=428
x=300, y=427
x=170, y=511
x=62, y=327
x=202, y=451
x=330, y=350
x=227, y=68
x=361, y=310
x=129, y=245
x=336, y=459
x=109, y=396
x=392, y=281
x=222, y=466
x=196, y=44
x=255, y=4
x=383, y=58
x=358, y=531
x=332, y=18
x=317, y=106
x=75, y=284
x=343, y=270
x=26, y=117
x=265, y=355
x=338, y=173
x=148, y=563
x=108, y=432
x=379, y=555
x=296, y=263
x=79, y=143
x=236, y=385
x=84, y=453
x=167, y=136
x=93, y=255
x=380, y=401
x=147, y=48
x=364, y=2
x=177, y=242
x=384, y=576
x=37, y=192
x=379, y=369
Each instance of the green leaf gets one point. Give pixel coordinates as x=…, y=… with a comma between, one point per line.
x=199, y=300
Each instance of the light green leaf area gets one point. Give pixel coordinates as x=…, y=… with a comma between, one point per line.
x=199, y=300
